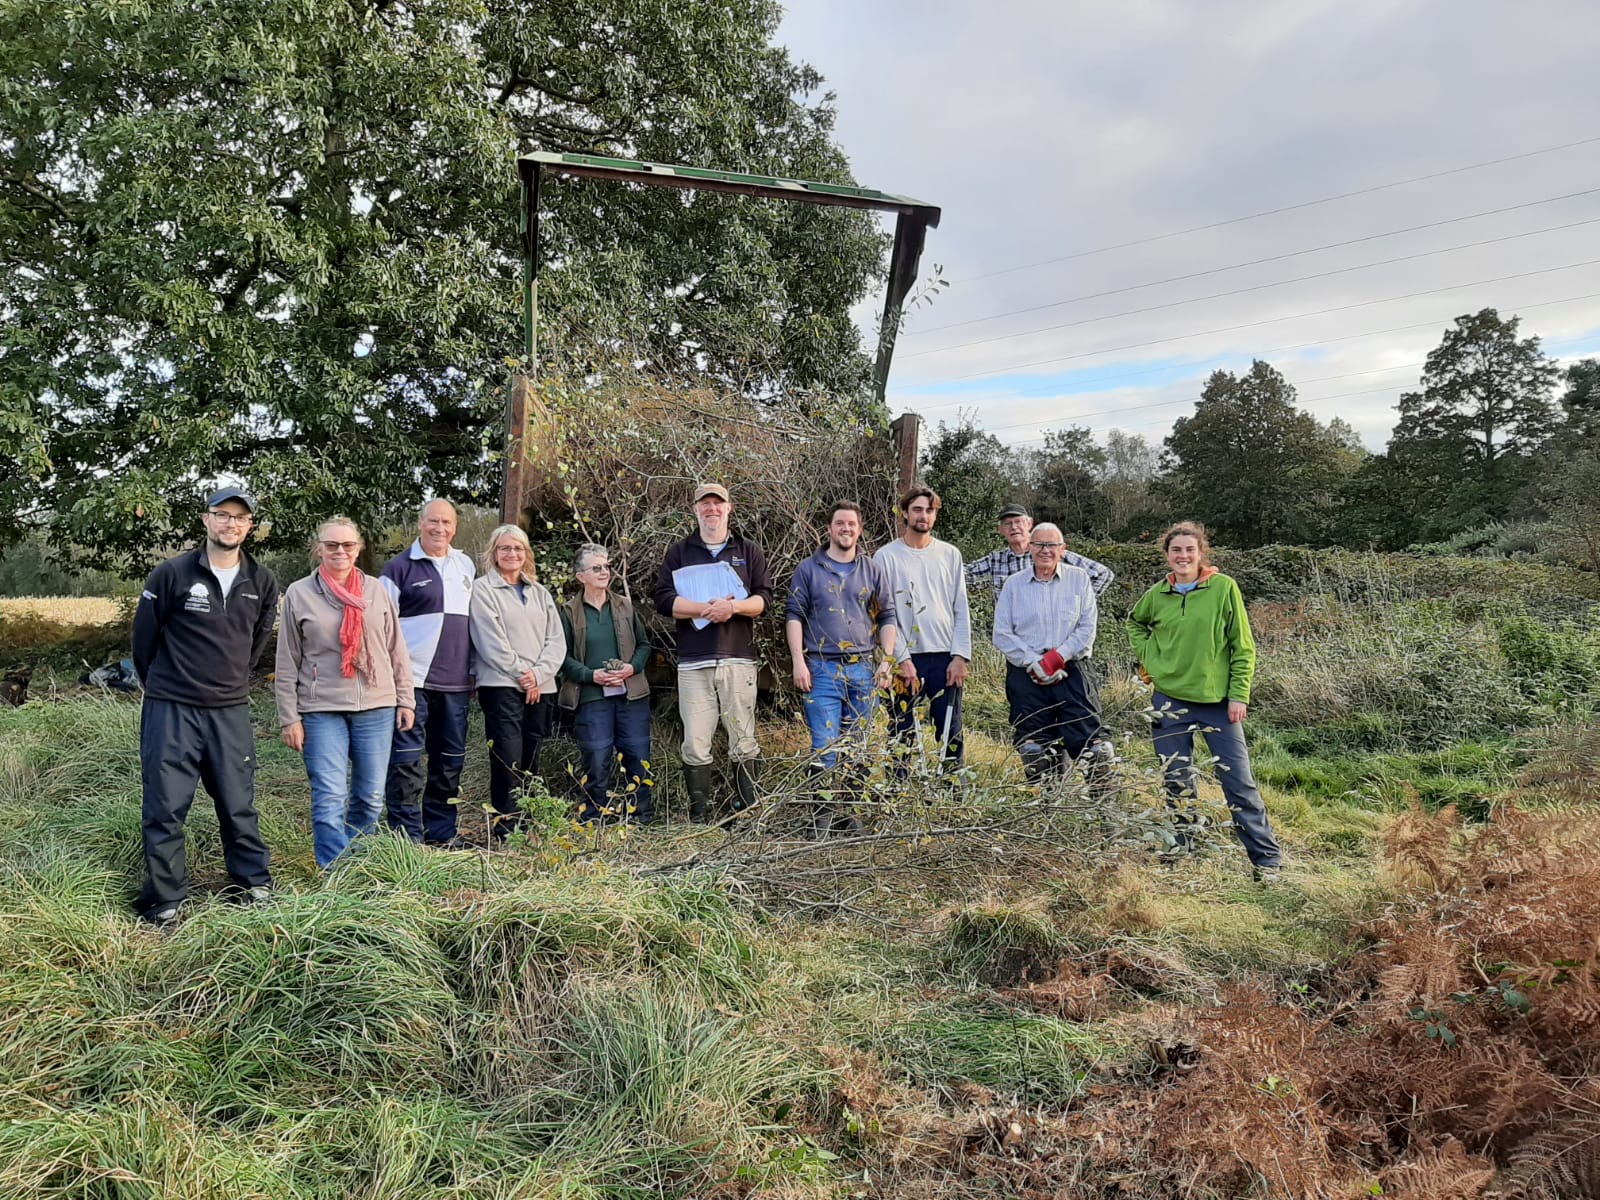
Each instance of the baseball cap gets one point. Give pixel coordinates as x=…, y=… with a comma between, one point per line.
x=702, y=490
x=1012, y=510
x=232, y=493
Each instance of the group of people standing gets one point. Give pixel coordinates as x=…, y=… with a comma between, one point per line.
x=374, y=674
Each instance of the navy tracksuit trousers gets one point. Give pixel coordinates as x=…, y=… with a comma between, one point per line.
x=182, y=746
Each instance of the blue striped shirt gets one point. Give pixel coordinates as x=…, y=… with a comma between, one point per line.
x=994, y=568
x=1034, y=616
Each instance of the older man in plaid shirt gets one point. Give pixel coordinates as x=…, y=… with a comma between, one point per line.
x=994, y=568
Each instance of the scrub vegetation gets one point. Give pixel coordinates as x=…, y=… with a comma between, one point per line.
x=993, y=994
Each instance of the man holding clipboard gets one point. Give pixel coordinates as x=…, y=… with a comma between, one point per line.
x=715, y=584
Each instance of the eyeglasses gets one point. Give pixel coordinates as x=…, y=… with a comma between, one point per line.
x=1048, y=545
x=223, y=517
x=510, y=548
x=335, y=547
x=598, y=568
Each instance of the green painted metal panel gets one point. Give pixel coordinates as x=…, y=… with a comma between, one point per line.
x=776, y=186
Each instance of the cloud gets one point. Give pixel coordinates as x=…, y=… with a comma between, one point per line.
x=1047, y=130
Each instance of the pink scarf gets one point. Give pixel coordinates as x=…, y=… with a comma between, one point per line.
x=353, y=652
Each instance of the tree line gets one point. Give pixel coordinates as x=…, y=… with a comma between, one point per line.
x=276, y=243
x=1495, y=435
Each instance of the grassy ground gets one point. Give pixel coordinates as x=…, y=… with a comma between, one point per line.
x=999, y=997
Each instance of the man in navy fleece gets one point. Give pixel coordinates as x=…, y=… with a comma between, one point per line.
x=431, y=584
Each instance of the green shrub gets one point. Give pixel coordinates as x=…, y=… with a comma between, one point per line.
x=1431, y=678
x=1554, y=665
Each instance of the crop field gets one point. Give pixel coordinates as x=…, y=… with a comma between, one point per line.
x=992, y=993
x=63, y=610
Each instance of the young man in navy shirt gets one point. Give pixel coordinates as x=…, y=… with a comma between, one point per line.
x=204, y=619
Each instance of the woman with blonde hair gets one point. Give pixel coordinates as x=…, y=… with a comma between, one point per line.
x=519, y=647
x=1192, y=637
x=343, y=687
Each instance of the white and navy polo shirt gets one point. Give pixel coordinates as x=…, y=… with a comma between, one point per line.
x=431, y=595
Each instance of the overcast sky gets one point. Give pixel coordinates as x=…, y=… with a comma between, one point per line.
x=1051, y=130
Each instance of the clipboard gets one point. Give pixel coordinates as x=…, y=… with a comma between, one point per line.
x=706, y=582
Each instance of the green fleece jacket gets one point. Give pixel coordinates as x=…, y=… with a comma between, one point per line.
x=1196, y=647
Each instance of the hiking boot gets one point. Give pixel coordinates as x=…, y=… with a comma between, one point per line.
x=1267, y=876
x=257, y=895
x=161, y=918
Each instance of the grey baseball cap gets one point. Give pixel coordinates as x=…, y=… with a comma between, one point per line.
x=1012, y=510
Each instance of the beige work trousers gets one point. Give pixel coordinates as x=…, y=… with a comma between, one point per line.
x=727, y=690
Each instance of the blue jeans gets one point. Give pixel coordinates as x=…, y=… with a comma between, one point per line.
x=1177, y=723
x=605, y=728
x=839, y=702
x=418, y=796
x=944, y=711
x=346, y=754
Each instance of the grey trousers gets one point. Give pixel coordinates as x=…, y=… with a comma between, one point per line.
x=1174, y=731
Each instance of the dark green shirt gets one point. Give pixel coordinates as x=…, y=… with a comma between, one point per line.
x=600, y=644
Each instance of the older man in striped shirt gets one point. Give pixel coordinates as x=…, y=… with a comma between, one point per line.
x=1044, y=624
x=994, y=568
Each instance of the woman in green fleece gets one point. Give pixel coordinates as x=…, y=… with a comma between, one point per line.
x=1193, y=640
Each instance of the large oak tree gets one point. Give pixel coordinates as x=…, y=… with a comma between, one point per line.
x=274, y=241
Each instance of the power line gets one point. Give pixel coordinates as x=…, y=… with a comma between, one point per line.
x=1308, y=400
x=1272, y=212
x=1181, y=366
x=1111, y=412
x=1045, y=362
x=1260, y=287
x=1256, y=262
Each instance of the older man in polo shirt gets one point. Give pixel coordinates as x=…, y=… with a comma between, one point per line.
x=1044, y=624
x=431, y=585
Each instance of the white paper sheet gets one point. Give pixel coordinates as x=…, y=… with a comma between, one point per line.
x=707, y=582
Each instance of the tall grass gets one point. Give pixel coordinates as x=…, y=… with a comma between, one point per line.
x=463, y=1025
x=413, y=1024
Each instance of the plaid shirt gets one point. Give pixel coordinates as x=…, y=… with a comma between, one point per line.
x=994, y=568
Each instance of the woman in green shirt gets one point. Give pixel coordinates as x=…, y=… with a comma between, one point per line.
x=603, y=680
x=1192, y=637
